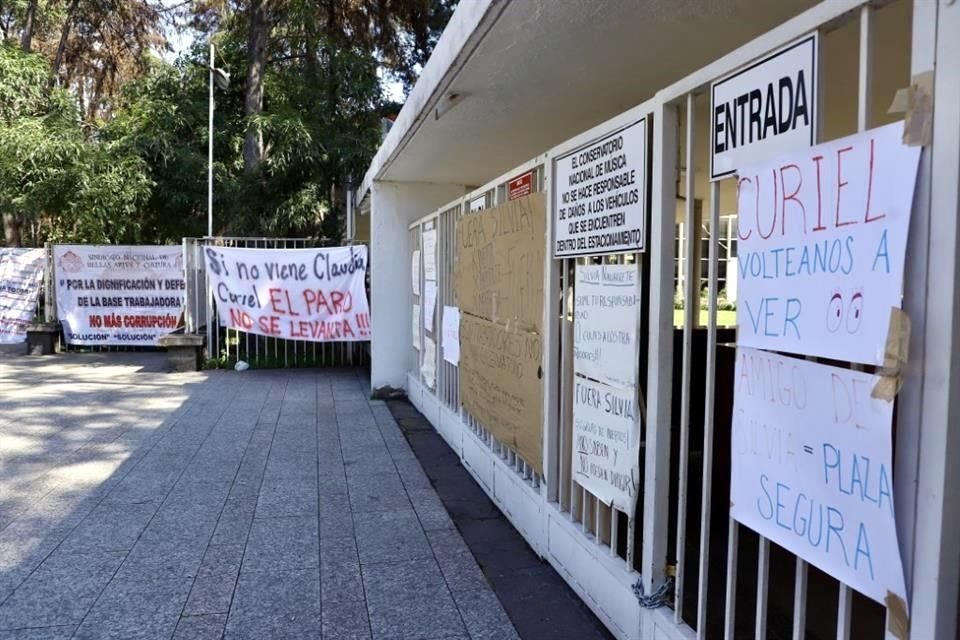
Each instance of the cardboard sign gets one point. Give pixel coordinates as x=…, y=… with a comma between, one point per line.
x=606, y=310
x=520, y=186
x=318, y=295
x=451, y=335
x=500, y=384
x=606, y=437
x=765, y=109
x=499, y=266
x=21, y=275
x=822, y=236
x=599, y=199
x=118, y=295
x=812, y=468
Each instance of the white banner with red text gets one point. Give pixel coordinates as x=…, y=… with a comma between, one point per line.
x=118, y=295
x=318, y=295
x=21, y=274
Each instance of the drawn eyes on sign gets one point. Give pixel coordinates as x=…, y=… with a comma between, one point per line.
x=835, y=311
x=855, y=312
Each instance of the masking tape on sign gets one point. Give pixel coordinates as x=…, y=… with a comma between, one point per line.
x=895, y=354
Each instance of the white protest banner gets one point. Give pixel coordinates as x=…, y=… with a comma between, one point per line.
x=416, y=327
x=118, y=295
x=765, y=109
x=415, y=272
x=599, y=199
x=21, y=274
x=606, y=437
x=606, y=308
x=429, y=304
x=450, y=335
x=317, y=295
x=429, y=366
x=822, y=236
x=811, y=468
x=430, y=254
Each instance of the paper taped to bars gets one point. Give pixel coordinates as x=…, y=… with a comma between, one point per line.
x=812, y=467
x=317, y=295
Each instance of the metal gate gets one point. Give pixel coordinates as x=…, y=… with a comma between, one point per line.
x=226, y=346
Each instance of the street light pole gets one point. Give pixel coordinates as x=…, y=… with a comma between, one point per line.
x=210, y=152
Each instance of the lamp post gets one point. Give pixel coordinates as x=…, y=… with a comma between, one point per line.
x=220, y=78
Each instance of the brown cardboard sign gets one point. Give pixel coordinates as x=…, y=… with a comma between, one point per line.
x=501, y=386
x=500, y=258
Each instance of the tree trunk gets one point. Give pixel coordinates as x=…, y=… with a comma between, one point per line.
x=11, y=230
x=64, y=34
x=253, y=98
x=26, y=38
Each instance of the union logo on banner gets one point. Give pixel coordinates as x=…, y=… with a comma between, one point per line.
x=71, y=262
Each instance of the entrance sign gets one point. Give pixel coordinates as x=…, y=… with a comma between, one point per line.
x=21, y=274
x=812, y=468
x=118, y=295
x=606, y=438
x=606, y=309
x=764, y=110
x=822, y=236
x=318, y=295
x=599, y=197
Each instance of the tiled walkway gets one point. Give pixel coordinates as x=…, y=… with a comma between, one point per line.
x=255, y=505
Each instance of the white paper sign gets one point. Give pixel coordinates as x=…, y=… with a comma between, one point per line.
x=430, y=254
x=416, y=327
x=599, y=199
x=450, y=329
x=317, y=295
x=606, y=438
x=21, y=275
x=415, y=272
x=811, y=468
x=606, y=309
x=429, y=304
x=765, y=109
x=478, y=204
x=822, y=236
x=429, y=367
x=118, y=295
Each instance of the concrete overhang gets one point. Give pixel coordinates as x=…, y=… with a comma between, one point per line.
x=512, y=78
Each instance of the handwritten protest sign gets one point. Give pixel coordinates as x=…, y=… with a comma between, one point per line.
x=500, y=257
x=21, y=274
x=428, y=366
x=500, y=383
x=606, y=438
x=822, y=235
x=415, y=324
x=606, y=309
x=118, y=295
x=451, y=335
x=429, y=304
x=415, y=272
x=430, y=254
x=316, y=295
x=812, y=454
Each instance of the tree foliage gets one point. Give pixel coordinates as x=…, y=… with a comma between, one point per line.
x=102, y=140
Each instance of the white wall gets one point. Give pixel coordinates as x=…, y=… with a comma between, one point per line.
x=393, y=207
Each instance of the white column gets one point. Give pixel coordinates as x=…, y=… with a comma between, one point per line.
x=393, y=207
x=934, y=372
